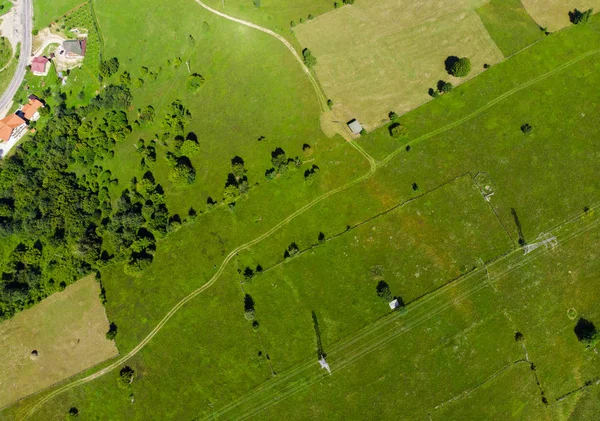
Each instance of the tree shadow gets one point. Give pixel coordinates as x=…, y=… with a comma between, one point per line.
x=237, y=160
x=449, y=63
x=522, y=241
x=248, y=302
x=192, y=136
x=320, y=351
x=584, y=330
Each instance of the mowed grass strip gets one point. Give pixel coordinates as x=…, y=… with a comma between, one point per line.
x=509, y=25
x=554, y=14
x=375, y=57
x=68, y=330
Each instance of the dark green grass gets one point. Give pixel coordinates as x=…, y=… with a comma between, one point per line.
x=509, y=25
x=538, y=299
x=416, y=249
x=5, y=51
x=45, y=12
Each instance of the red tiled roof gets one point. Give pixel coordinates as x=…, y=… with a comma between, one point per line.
x=38, y=64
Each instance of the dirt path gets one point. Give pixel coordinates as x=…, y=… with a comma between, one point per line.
x=230, y=256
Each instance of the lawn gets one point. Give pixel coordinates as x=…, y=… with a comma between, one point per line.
x=5, y=6
x=46, y=12
x=509, y=25
x=554, y=14
x=68, y=332
x=382, y=57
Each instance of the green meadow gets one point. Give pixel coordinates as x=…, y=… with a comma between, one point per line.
x=439, y=217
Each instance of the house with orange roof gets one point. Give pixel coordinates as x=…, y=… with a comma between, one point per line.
x=12, y=127
x=30, y=111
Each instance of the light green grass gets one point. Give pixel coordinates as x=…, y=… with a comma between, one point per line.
x=45, y=12
x=5, y=6
x=509, y=25
x=7, y=74
x=5, y=52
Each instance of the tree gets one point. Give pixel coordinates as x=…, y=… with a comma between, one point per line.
x=578, y=17
x=194, y=82
x=444, y=87
x=309, y=59
x=383, y=291
x=292, y=250
x=398, y=130
x=249, y=312
x=109, y=67
x=231, y=194
x=125, y=377
x=460, y=67
x=189, y=148
x=112, y=332
x=183, y=172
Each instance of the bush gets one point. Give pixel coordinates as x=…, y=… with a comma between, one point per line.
x=444, y=87
x=461, y=67
x=189, y=147
x=292, y=251
x=73, y=412
x=109, y=67
x=330, y=104
x=249, y=312
x=526, y=128
x=194, y=82
x=397, y=130
x=309, y=59
x=392, y=115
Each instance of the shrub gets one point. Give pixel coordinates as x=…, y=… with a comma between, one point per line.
x=336, y=5
x=526, y=128
x=73, y=412
x=292, y=251
x=194, y=82
x=330, y=103
x=309, y=59
x=444, y=87
x=460, y=67
x=519, y=337
x=249, y=312
x=415, y=186
x=397, y=130
x=392, y=115
x=292, y=24
x=109, y=67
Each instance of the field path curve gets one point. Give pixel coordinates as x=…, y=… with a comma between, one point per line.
x=28, y=412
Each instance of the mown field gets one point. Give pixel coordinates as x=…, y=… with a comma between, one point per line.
x=554, y=14
x=68, y=332
x=382, y=57
x=509, y=25
x=419, y=223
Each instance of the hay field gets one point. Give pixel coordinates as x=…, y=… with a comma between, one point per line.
x=380, y=56
x=67, y=329
x=554, y=14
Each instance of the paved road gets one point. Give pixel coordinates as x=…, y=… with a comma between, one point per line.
x=26, y=13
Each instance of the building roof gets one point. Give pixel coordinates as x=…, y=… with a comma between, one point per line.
x=355, y=126
x=8, y=124
x=76, y=47
x=30, y=109
x=394, y=304
x=38, y=64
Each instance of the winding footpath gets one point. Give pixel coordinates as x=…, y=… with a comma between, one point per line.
x=25, y=54
x=375, y=166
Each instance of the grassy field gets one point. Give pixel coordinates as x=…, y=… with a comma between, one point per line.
x=554, y=14
x=47, y=12
x=382, y=57
x=419, y=223
x=5, y=52
x=7, y=74
x=5, y=6
x=68, y=331
x=509, y=25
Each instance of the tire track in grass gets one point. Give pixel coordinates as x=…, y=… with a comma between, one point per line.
x=284, y=222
